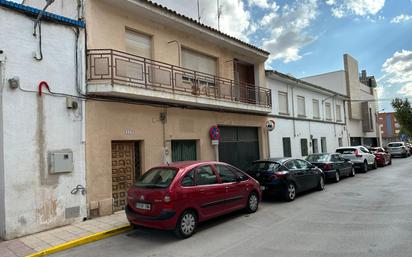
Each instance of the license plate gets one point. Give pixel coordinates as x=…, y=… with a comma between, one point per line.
x=262, y=188
x=143, y=206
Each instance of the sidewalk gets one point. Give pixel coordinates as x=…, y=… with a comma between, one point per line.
x=38, y=242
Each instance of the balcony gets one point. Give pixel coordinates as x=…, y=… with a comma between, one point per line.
x=118, y=74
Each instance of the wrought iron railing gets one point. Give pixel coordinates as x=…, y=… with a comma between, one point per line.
x=116, y=67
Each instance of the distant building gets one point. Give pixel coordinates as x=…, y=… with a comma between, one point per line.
x=309, y=118
x=362, y=105
x=390, y=128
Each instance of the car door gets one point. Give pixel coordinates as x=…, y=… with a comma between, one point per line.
x=297, y=174
x=209, y=193
x=310, y=174
x=234, y=188
x=347, y=165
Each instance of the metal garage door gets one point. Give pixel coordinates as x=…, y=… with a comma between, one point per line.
x=239, y=146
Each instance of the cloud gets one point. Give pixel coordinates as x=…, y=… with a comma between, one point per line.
x=259, y=3
x=401, y=18
x=235, y=19
x=397, y=72
x=341, y=8
x=286, y=26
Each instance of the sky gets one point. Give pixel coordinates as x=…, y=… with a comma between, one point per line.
x=309, y=37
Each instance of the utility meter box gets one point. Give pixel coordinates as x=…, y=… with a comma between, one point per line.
x=60, y=161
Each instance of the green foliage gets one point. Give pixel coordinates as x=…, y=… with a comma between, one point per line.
x=403, y=114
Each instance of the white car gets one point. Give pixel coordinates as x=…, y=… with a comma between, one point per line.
x=398, y=149
x=360, y=156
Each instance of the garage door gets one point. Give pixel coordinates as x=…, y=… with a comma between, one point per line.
x=239, y=146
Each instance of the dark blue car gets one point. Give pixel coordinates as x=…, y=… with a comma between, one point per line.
x=286, y=176
x=333, y=165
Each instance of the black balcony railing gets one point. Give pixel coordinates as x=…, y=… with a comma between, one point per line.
x=116, y=67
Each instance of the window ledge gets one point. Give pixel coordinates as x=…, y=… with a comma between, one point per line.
x=284, y=113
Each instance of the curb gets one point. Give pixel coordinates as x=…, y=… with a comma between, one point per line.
x=82, y=241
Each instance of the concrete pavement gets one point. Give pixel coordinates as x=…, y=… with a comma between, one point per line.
x=368, y=215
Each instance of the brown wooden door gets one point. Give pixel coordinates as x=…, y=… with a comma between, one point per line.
x=245, y=76
x=123, y=172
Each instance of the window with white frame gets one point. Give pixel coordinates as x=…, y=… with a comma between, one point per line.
x=338, y=113
x=316, y=111
x=328, y=111
x=138, y=44
x=301, y=106
x=283, y=102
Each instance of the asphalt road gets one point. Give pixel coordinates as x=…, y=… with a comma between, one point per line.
x=368, y=215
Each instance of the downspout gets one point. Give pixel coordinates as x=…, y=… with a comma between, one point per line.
x=2, y=175
x=293, y=111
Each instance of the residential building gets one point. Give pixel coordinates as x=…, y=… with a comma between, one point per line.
x=390, y=128
x=159, y=82
x=309, y=118
x=41, y=116
x=362, y=106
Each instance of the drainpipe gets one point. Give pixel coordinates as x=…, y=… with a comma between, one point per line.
x=293, y=111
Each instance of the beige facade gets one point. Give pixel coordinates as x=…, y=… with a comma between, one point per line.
x=153, y=126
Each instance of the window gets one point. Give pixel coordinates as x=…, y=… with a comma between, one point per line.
x=318, y=158
x=188, y=179
x=157, y=178
x=205, y=176
x=138, y=44
x=301, y=164
x=328, y=111
x=199, y=62
x=291, y=165
x=283, y=103
x=315, y=147
x=286, y=147
x=371, y=119
x=316, y=112
x=338, y=113
x=304, y=146
x=323, y=144
x=242, y=176
x=226, y=175
x=301, y=106
x=340, y=141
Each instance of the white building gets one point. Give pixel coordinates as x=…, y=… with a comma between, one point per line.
x=362, y=107
x=41, y=135
x=309, y=118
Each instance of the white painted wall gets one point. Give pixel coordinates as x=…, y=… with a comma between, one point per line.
x=66, y=8
x=304, y=128
x=2, y=207
x=33, y=125
x=334, y=81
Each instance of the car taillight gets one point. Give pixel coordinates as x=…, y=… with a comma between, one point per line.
x=357, y=153
x=327, y=166
x=167, y=202
x=279, y=174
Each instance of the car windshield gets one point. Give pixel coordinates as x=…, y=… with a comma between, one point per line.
x=157, y=178
x=346, y=150
x=318, y=158
x=394, y=145
x=263, y=166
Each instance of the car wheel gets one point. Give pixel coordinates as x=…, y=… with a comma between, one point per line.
x=365, y=167
x=290, y=192
x=337, y=177
x=321, y=183
x=352, y=172
x=186, y=225
x=252, y=203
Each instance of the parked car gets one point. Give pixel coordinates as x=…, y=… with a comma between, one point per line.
x=410, y=148
x=333, y=165
x=179, y=195
x=382, y=156
x=361, y=158
x=398, y=149
x=286, y=176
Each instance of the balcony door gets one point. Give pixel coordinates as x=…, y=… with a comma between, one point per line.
x=244, y=74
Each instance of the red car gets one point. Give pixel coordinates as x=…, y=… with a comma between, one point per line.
x=179, y=195
x=382, y=157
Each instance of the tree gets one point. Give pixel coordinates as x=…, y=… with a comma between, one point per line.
x=403, y=114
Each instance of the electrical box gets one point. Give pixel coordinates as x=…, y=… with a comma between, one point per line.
x=61, y=161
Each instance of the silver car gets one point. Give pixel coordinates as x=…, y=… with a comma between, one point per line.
x=398, y=149
x=360, y=156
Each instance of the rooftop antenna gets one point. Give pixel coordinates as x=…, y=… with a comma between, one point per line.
x=219, y=13
x=198, y=12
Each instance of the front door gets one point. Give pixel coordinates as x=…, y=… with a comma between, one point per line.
x=123, y=172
